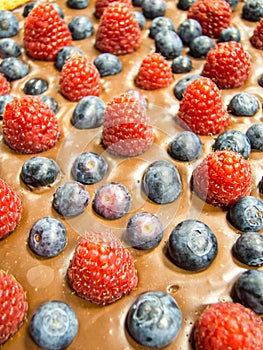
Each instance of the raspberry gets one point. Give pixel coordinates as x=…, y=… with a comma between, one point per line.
x=222, y=178
x=102, y=270
x=79, y=78
x=154, y=72
x=201, y=110
x=10, y=209
x=227, y=64
x=118, y=31
x=29, y=125
x=45, y=33
x=228, y=326
x=126, y=128
x=13, y=306
x=257, y=36
x=4, y=85
x=100, y=5
x=213, y=15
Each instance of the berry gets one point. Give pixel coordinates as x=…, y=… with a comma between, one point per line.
x=233, y=4
x=53, y=325
x=257, y=37
x=50, y=102
x=140, y=19
x=222, y=178
x=154, y=72
x=9, y=25
x=107, y=64
x=168, y=43
x=234, y=140
x=188, y=30
x=118, y=31
x=246, y=214
x=227, y=64
x=47, y=237
x=255, y=136
x=243, y=104
x=112, y=201
x=229, y=34
x=29, y=125
x=39, y=171
x=79, y=78
x=137, y=3
x=260, y=80
x=4, y=100
x=153, y=8
x=144, y=231
x=192, y=245
x=162, y=182
x=88, y=113
x=126, y=128
x=80, y=27
x=35, y=86
x=10, y=210
x=248, y=249
x=202, y=109
x=260, y=186
x=29, y=6
x=182, y=84
x=154, y=319
x=4, y=85
x=200, y=46
x=213, y=16
x=45, y=44
x=89, y=168
x=181, y=64
x=252, y=10
x=102, y=270
x=236, y=328
x=9, y=48
x=13, y=306
x=70, y=199
x=160, y=23
x=77, y=4
x=185, y=4
x=185, y=146
x=139, y=96
x=65, y=53
x=100, y=6
x=13, y=68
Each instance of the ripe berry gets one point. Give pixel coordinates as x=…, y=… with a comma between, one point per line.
x=182, y=84
x=248, y=249
x=252, y=10
x=181, y=64
x=35, y=86
x=140, y=19
x=9, y=25
x=153, y=8
x=9, y=48
x=168, y=43
x=185, y=146
x=230, y=34
x=257, y=37
x=65, y=53
x=80, y=27
x=50, y=102
x=255, y=136
x=160, y=23
x=185, y=4
x=108, y=64
x=243, y=104
x=4, y=100
x=100, y=6
x=13, y=68
x=188, y=30
x=88, y=113
x=77, y=4
x=200, y=46
x=4, y=85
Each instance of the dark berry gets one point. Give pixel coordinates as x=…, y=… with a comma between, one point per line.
x=154, y=320
x=112, y=201
x=246, y=214
x=181, y=64
x=108, y=64
x=140, y=19
x=260, y=186
x=233, y=3
x=243, y=104
x=89, y=168
x=192, y=245
x=260, y=80
x=182, y=84
x=168, y=43
x=47, y=237
x=255, y=135
x=144, y=231
x=229, y=34
x=77, y=4
x=65, y=53
x=35, y=86
x=233, y=140
x=252, y=10
x=71, y=199
x=248, y=249
x=137, y=3
x=4, y=100
x=153, y=8
x=9, y=25
x=200, y=46
x=185, y=4
x=13, y=68
x=9, y=48
x=185, y=146
x=51, y=102
x=80, y=27
x=160, y=23
x=188, y=30
x=162, y=182
x=53, y=325
x=39, y=171
x=88, y=113
x=28, y=8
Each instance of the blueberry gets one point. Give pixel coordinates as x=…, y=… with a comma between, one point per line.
x=153, y=8
x=51, y=102
x=112, y=201
x=89, y=168
x=248, y=249
x=154, y=320
x=144, y=231
x=260, y=186
x=168, y=43
x=107, y=64
x=192, y=245
x=185, y=146
x=30, y=5
x=58, y=9
x=88, y=113
x=181, y=64
x=246, y=214
x=229, y=34
x=248, y=289
x=13, y=68
x=255, y=135
x=4, y=100
x=9, y=25
x=233, y=140
x=35, y=86
x=47, y=237
x=233, y=4
x=162, y=182
x=53, y=325
x=71, y=199
x=182, y=84
x=39, y=171
x=9, y=48
x=140, y=19
x=160, y=23
x=77, y=4
x=65, y=53
x=200, y=46
x=80, y=27
x=243, y=104
x=188, y=30
x=260, y=80
x=185, y=4
x=252, y=10
x=137, y=3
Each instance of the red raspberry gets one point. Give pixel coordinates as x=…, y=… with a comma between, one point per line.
x=102, y=270
x=228, y=65
x=79, y=78
x=201, y=109
x=154, y=72
x=228, y=326
x=4, y=85
x=222, y=178
x=13, y=306
x=213, y=16
x=126, y=128
x=257, y=36
x=100, y=5
x=118, y=31
x=29, y=125
x=45, y=33
x=10, y=209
